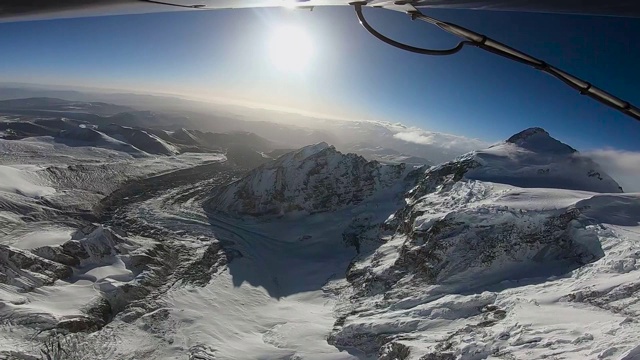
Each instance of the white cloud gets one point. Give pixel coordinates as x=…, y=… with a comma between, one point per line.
x=434, y=146
x=415, y=137
x=447, y=141
x=623, y=166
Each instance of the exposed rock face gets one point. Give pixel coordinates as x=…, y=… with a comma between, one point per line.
x=99, y=244
x=363, y=227
x=27, y=271
x=440, y=178
x=486, y=241
x=313, y=179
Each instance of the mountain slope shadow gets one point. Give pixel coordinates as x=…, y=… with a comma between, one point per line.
x=290, y=215
x=285, y=264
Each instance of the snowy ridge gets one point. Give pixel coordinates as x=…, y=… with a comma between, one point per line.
x=122, y=132
x=464, y=278
x=316, y=178
x=85, y=136
x=471, y=261
x=140, y=139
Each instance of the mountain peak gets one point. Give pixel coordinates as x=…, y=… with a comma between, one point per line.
x=315, y=178
x=307, y=151
x=316, y=148
x=538, y=140
x=528, y=159
x=524, y=134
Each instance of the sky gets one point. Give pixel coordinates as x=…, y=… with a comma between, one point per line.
x=225, y=54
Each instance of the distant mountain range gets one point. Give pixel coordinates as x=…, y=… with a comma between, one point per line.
x=54, y=104
x=103, y=125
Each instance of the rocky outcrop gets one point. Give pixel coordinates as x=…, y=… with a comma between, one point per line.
x=99, y=244
x=27, y=271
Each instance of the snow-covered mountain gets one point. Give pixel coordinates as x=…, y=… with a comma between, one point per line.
x=530, y=159
x=479, y=240
x=316, y=178
x=485, y=270
x=518, y=251
x=93, y=131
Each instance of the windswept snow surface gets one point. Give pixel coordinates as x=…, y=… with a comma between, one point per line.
x=23, y=182
x=44, y=235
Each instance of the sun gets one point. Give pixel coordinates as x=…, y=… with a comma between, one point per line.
x=290, y=48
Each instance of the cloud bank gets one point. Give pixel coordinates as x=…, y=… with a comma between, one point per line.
x=623, y=166
x=435, y=146
x=447, y=141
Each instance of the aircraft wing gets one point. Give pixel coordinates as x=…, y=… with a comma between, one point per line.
x=17, y=10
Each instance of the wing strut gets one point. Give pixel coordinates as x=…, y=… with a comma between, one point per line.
x=483, y=42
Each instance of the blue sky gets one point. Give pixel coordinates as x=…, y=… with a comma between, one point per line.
x=223, y=53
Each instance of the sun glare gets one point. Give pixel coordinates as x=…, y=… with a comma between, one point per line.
x=290, y=48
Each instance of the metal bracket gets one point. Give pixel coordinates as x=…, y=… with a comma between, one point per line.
x=483, y=42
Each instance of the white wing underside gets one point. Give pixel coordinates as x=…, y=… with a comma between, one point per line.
x=16, y=10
